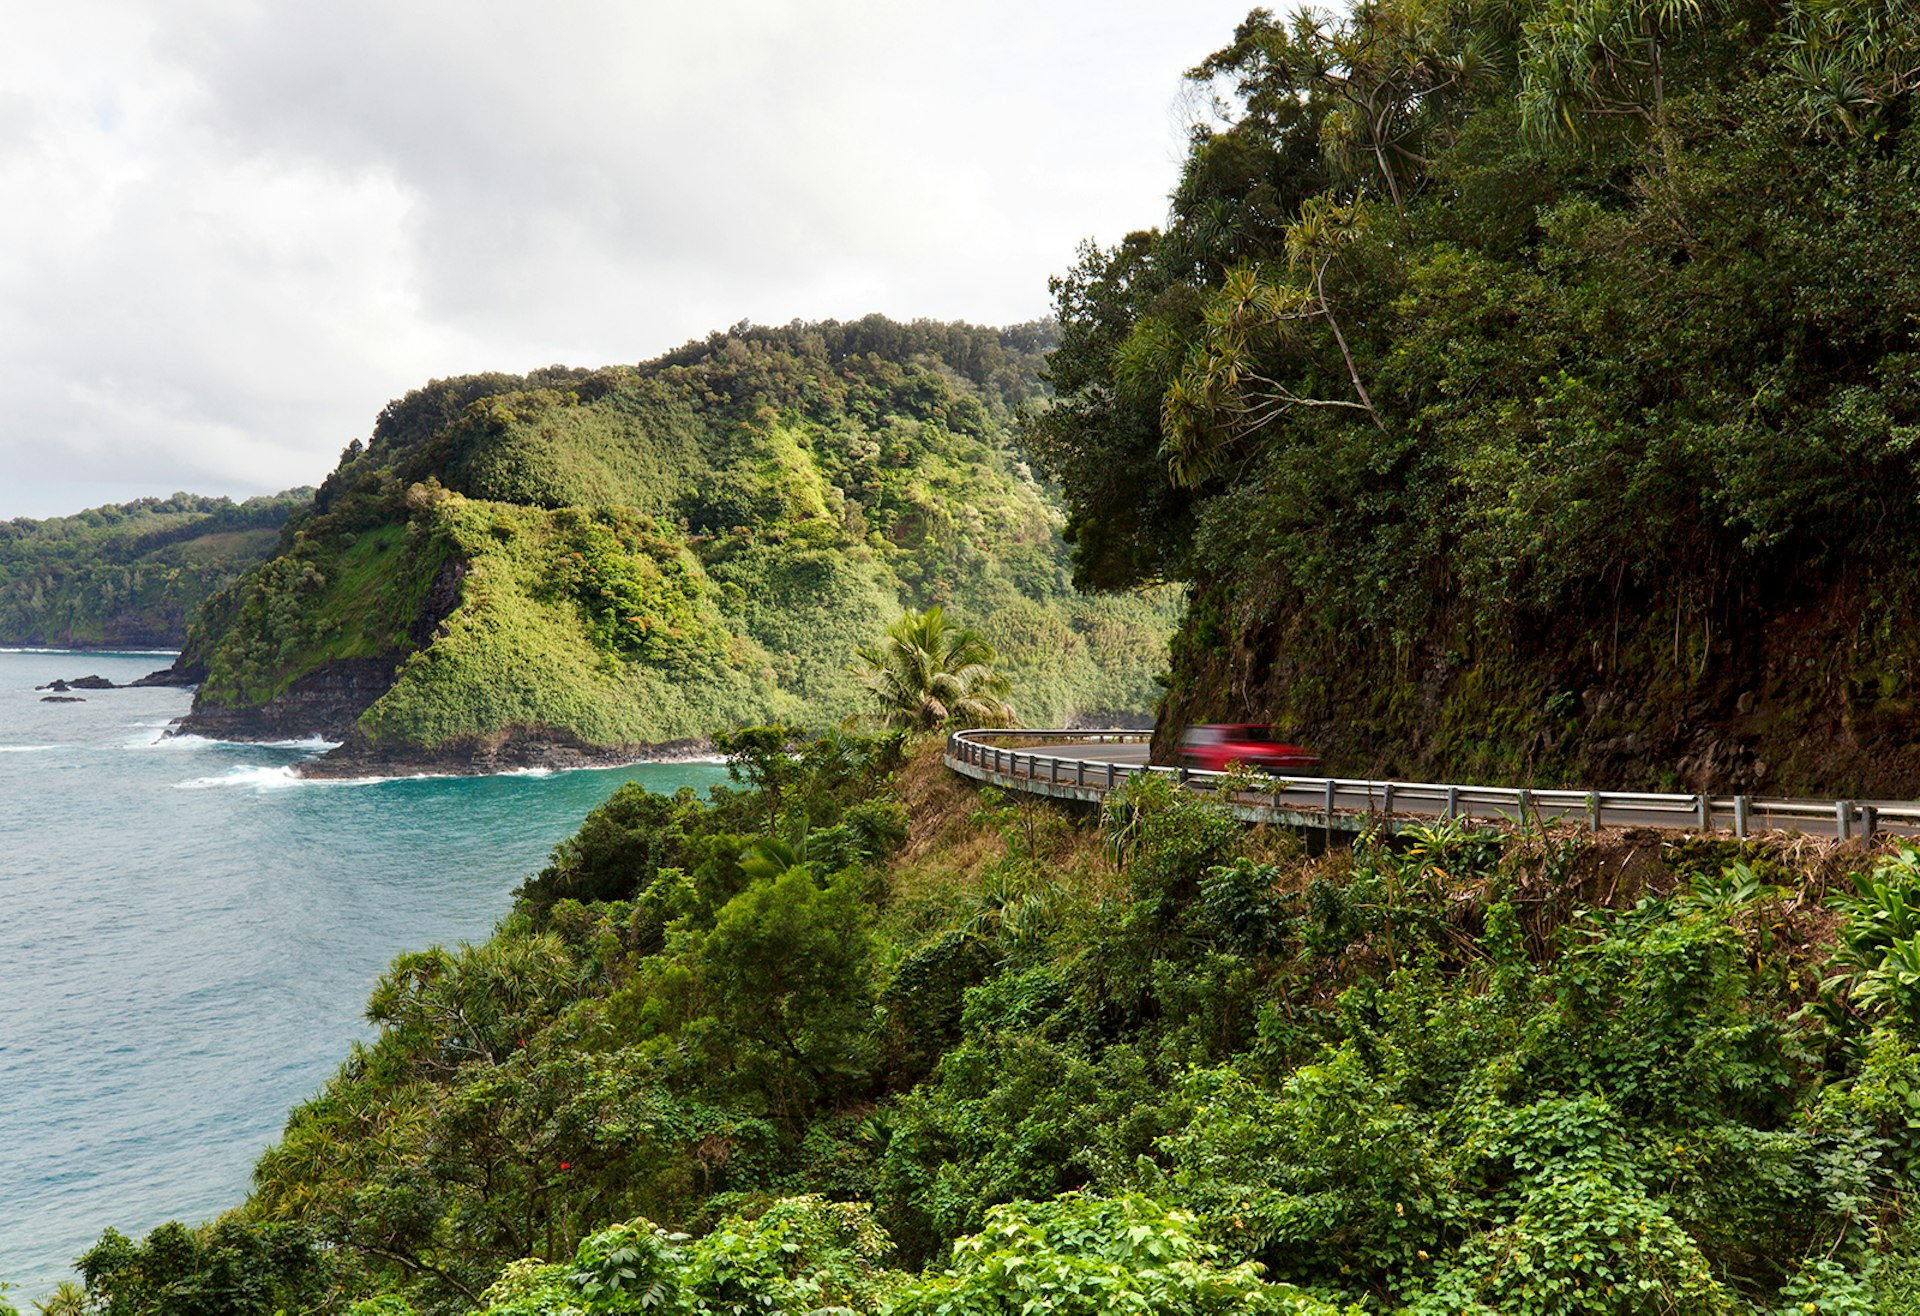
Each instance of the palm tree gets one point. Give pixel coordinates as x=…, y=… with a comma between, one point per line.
x=67, y=1300
x=929, y=671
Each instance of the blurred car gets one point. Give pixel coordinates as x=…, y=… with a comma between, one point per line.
x=1213, y=746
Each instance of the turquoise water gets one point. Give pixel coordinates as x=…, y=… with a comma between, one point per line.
x=188, y=934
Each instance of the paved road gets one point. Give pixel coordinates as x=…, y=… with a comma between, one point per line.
x=1308, y=795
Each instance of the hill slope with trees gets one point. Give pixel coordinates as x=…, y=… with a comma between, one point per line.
x=1528, y=390
x=856, y=1036
x=130, y=575
x=579, y=563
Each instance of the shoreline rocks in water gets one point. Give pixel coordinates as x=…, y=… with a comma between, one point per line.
x=61, y=699
x=169, y=676
x=327, y=702
x=518, y=749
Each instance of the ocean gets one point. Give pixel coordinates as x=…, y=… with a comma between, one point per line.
x=188, y=934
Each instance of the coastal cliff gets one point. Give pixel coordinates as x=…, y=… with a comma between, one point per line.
x=585, y=566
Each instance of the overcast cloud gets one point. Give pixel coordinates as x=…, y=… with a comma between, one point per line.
x=233, y=230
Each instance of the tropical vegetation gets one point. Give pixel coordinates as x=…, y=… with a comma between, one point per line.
x=1522, y=387
x=929, y=671
x=637, y=555
x=130, y=574
x=1526, y=390
x=854, y=1035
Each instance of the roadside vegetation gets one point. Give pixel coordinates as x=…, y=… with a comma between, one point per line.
x=855, y=1035
x=1521, y=388
x=1527, y=391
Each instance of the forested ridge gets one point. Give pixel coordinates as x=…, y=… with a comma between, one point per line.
x=1527, y=389
x=129, y=574
x=636, y=556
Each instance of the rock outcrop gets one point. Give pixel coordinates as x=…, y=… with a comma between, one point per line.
x=514, y=749
x=326, y=702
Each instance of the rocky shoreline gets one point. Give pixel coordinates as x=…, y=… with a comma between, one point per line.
x=326, y=705
x=517, y=749
x=327, y=702
x=166, y=676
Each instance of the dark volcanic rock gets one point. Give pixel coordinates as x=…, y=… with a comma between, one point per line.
x=61, y=699
x=94, y=682
x=443, y=596
x=176, y=675
x=516, y=750
x=59, y=687
x=326, y=702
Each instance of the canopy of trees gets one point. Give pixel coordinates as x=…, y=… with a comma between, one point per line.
x=130, y=573
x=850, y=1036
x=1514, y=352
x=642, y=554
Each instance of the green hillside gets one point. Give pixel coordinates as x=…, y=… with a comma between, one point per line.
x=1529, y=391
x=131, y=574
x=639, y=555
x=924, y=1049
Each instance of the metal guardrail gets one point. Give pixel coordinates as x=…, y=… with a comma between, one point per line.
x=1349, y=804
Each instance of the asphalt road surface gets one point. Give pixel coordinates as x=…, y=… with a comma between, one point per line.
x=1309, y=794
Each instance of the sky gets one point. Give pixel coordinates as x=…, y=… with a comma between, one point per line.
x=230, y=230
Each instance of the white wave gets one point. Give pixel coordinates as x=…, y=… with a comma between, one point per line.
x=148, y=738
x=95, y=653
x=26, y=749
x=283, y=777
x=265, y=779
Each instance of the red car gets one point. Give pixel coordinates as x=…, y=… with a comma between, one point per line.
x=1216, y=745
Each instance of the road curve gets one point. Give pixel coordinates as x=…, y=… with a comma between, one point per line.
x=1084, y=765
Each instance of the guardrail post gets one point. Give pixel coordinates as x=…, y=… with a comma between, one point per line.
x=1080, y=772
x=1453, y=803
x=1593, y=810
x=1112, y=776
x=1703, y=813
x=1869, y=822
x=1843, y=818
x=1740, y=806
x=1386, y=804
x=1329, y=804
x=1523, y=798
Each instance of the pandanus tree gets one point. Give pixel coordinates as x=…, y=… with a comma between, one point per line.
x=930, y=670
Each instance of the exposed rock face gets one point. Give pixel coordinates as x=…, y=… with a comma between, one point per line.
x=95, y=682
x=1787, y=701
x=443, y=596
x=61, y=699
x=517, y=748
x=326, y=702
x=188, y=675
